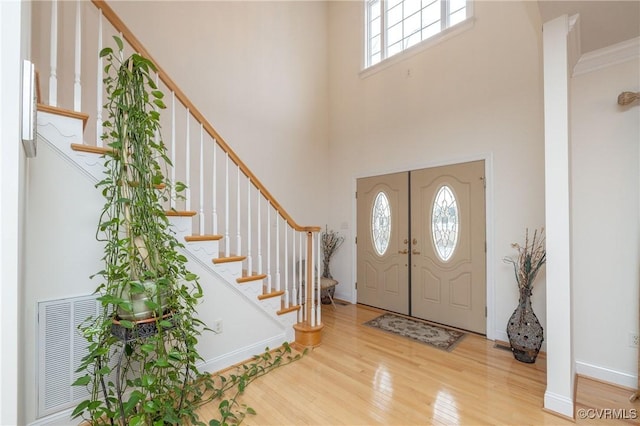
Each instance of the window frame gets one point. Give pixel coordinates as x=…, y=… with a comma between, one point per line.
x=446, y=31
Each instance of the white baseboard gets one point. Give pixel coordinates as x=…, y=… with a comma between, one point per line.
x=608, y=375
x=242, y=354
x=558, y=404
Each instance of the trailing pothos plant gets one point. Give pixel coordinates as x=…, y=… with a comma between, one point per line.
x=141, y=362
x=139, y=370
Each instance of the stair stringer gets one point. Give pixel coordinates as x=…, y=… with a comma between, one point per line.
x=60, y=132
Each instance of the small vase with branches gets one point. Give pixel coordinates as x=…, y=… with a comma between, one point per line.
x=524, y=329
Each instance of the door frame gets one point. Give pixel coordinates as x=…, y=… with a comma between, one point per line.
x=489, y=225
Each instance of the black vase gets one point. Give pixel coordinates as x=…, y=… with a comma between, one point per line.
x=525, y=331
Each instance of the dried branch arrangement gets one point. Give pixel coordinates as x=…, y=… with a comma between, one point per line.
x=530, y=259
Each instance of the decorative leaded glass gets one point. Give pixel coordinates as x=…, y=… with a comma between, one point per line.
x=381, y=223
x=444, y=223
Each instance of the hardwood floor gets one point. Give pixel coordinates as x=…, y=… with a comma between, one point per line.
x=363, y=376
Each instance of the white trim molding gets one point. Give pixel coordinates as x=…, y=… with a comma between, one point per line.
x=559, y=404
x=608, y=56
x=604, y=374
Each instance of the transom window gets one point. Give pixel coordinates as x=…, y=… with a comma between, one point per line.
x=396, y=25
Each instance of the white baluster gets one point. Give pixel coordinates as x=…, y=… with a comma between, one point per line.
x=294, y=289
x=238, y=236
x=173, y=150
x=77, y=87
x=227, y=243
x=201, y=216
x=286, y=267
x=53, y=60
x=249, y=257
x=100, y=89
x=187, y=156
x=308, y=287
x=259, y=215
x=268, y=246
x=277, y=251
x=315, y=268
x=301, y=271
x=214, y=179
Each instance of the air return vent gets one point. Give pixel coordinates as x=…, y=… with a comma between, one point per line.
x=61, y=348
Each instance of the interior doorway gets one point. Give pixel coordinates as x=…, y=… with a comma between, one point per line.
x=421, y=244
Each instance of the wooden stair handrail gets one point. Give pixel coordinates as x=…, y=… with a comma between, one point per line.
x=120, y=26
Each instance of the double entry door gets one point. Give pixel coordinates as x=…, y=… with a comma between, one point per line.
x=421, y=244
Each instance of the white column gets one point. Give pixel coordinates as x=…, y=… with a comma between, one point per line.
x=11, y=164
x=53, y=59
x=560, y=361
x=77, y=86
x=99, y=85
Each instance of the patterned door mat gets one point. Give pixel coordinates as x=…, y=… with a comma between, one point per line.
x=438, y=337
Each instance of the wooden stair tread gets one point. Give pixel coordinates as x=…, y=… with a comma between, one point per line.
x=178, y=213
x=91, y=149
x=289, y=309
x=65, y=113
x=248, y=278
x=274, y=293
x=226, y=259
x=205, y=237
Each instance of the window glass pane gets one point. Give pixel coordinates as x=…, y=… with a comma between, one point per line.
x=392, y=3
x=426, y=3
x=374, y=10
x=375, y=27
x=394, y=15
x=430, y=14
x=394, y=34
x=456, y=5
x=413, y=39
x=459, y=16
x=431, y=30
x=395, y=48
x=411, y=7
x=412, y=25
x=381, y=223
x=375, y=58
x=444, y=223
x=375, y=45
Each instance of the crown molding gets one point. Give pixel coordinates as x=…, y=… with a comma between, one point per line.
x=607, y=56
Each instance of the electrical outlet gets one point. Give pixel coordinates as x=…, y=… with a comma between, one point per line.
x=217, y=326
x=633, y=340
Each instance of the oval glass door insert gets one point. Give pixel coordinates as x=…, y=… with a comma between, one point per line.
x=444, y=223
x=381, y=223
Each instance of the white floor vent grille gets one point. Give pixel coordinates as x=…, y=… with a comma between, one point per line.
x=61, y=348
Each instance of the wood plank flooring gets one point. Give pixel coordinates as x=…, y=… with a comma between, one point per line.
x=363, y=376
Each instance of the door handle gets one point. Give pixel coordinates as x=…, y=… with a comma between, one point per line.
x=414, y=251
x=405, y=251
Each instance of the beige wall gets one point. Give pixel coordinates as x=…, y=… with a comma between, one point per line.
x=476, y=95
x=605, y=211
x=258, y=72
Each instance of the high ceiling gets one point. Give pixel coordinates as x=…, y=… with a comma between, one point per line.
x=602, y=23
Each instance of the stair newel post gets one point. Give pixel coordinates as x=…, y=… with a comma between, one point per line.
x=301, y=273
x=308, y=256
x=249, y=256
x=187, y=162
x=99, y=84
x=201, y=172
x=53, y=59
x=227, y=242
x=77, y=87
x=238, y=234
x=317, y=280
